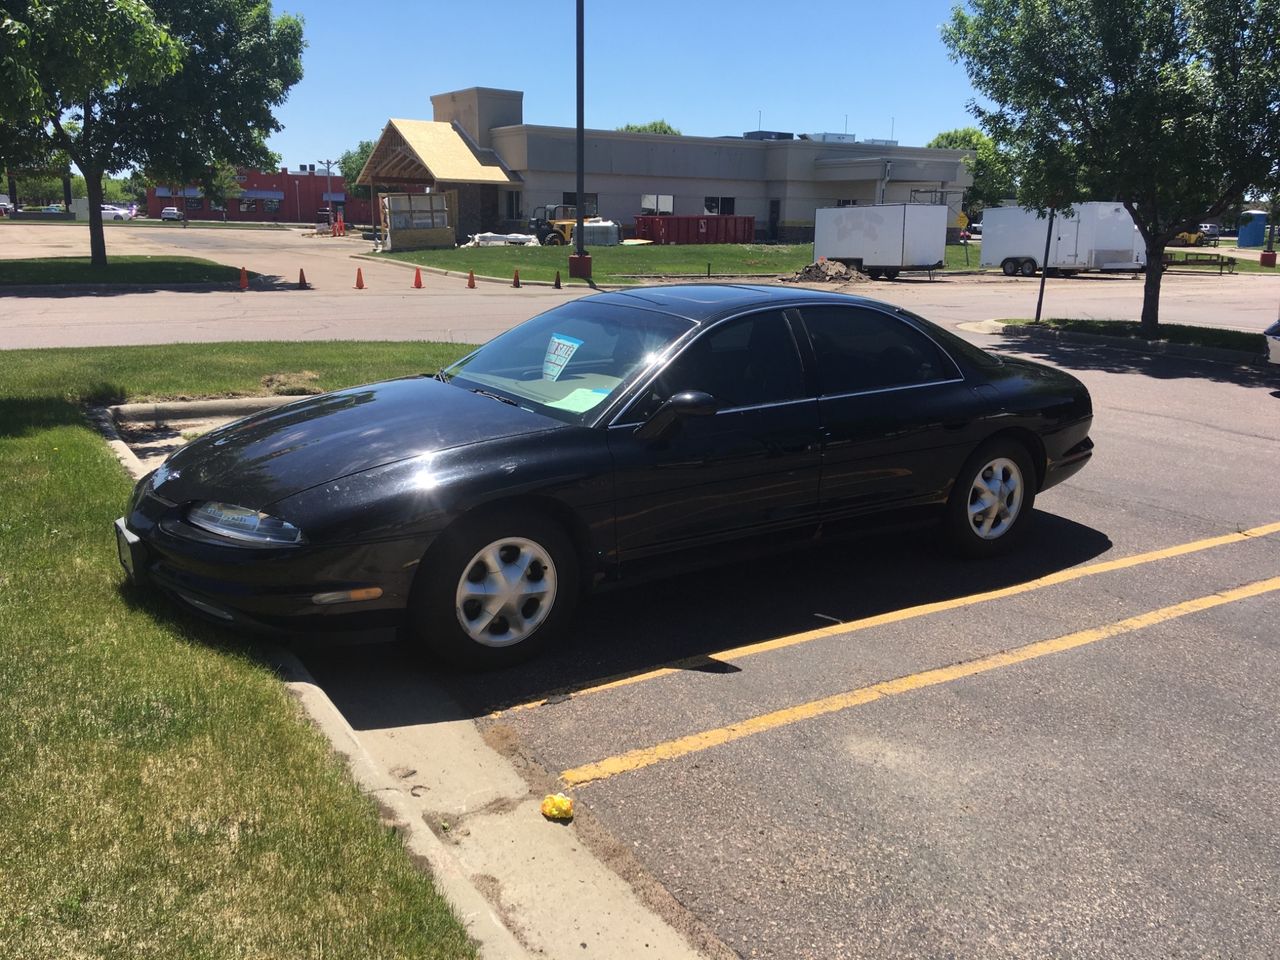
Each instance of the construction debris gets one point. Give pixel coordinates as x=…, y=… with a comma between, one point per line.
x=826, y=271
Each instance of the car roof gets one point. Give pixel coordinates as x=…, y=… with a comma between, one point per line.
x=707, y=302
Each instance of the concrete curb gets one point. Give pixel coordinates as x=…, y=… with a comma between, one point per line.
x=196, y=409
x=468, y=903
x=1148, y=347
x=105, y=424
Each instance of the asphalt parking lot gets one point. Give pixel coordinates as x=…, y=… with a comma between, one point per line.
x=875, y=749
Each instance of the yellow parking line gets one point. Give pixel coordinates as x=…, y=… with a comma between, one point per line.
x=907, y=613
x=670, y=750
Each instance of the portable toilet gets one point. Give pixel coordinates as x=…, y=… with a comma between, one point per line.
x=1253, y=228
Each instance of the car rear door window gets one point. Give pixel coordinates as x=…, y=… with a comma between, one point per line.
x=858, y=350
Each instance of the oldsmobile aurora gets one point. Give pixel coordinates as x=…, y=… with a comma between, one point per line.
x=477, y=505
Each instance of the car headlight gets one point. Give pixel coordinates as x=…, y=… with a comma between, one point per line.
x=244, y=524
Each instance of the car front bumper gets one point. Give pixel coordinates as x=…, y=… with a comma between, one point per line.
x=266, y=588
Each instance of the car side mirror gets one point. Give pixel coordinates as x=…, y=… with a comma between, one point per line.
x=688, y=403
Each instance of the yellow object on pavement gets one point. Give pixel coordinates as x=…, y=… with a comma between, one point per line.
x=556, y=806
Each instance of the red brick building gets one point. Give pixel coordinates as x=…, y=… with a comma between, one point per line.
x=284, y=196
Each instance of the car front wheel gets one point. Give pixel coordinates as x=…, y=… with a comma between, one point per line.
x=497, y=590
x=992, y=497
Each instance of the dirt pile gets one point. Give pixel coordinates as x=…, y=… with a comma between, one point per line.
x=826, y=271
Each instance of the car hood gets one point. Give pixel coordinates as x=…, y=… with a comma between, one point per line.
x=275, y=454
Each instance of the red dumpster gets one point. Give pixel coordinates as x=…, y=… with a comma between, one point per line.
x=704, y=229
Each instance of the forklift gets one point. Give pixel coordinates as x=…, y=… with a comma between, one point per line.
x=553, y=226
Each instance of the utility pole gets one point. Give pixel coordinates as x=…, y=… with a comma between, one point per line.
x=328, y=186
x=580, y=262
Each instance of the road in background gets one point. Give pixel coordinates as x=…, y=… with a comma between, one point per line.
x=389, y=309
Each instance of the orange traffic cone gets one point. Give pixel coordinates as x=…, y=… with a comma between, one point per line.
x=244, y=279
x=471, y=279
x=515, y=281
x=417, y=278
x=557, y=283
x=359, y=279
x=302, y=279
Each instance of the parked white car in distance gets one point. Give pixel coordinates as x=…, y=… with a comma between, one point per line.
x=170, y=213
x=112, y=212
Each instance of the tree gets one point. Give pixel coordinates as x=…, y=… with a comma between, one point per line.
x=73, y=59
x=176, y=87
x=351, y=163
x=992, y=181
x=220, y=185
x=653, y=126
x=1171, y=108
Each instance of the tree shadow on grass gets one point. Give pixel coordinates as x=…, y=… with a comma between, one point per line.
x=23, y=416
x=1117, y=359
x=259, y=283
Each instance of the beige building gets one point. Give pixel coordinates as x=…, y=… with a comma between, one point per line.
x=502, y=169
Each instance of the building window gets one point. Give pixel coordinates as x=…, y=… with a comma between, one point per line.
x=248, y=206
x=513, y=205
x=271, y=206
x=717, y=205
x=195, y=203
x=846, y=203
x=656, y=204
x=216, y=207
x=416, y=211
x=590, y=202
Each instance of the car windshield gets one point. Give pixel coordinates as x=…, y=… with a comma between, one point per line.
x=570, y=362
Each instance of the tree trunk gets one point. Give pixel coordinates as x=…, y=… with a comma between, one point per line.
x=1151, y=290
x=97, y=242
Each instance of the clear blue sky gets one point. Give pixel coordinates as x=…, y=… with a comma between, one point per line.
x=708, y=67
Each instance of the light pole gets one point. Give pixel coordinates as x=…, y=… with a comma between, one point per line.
x=328, y=186
x=580, y=261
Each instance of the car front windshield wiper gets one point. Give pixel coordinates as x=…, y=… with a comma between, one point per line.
x=442, y=376
x=486, y=393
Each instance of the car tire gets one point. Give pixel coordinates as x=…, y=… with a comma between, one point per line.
x=1010, y=267
x=1027, y=268
x=531, y=603
x=983, y=520
x=553, y=239
x=891, y=274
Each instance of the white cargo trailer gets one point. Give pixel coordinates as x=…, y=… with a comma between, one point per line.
x=1098, y=236
x=884, y=238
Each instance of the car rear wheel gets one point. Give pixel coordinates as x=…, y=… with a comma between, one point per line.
x=496, y=591
x=993, y=495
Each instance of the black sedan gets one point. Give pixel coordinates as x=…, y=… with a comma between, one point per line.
x=610, y=432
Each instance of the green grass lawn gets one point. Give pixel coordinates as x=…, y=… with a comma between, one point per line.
x=119, y=269
x=1169, y=332
x=618, y=264
x=162, y=795
x=635, y=264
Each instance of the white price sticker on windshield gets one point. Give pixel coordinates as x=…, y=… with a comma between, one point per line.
x=559, y=351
